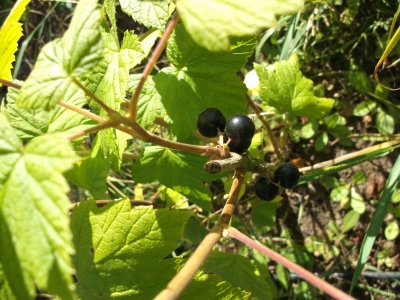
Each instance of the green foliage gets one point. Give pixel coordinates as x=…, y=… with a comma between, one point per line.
x=167, y=165
x=209, y=30
x=33, y=194
x=288, y=91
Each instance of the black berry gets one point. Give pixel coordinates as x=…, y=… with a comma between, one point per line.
x=265, y=190
x=240, y=129
x=287, y=175
x=209, y=121
x=238, y=147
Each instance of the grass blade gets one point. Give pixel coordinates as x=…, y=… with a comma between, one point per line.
x=377, y=220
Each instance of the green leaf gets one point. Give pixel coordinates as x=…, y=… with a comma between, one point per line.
x=350, y=220
x=149, y=105
x=358, y=177
x=150, y=13
x=357, y=201
x=340, y=192
x=377, y=220
x=180, y=171
x=309, y=129
x=364, y=108
x=172, y=199
x=384, y=122
x=285, y=88
x=211, y=23
x=283, y=276
x=81, y=43
x=91, y=174
x=35, y=122
x=321, y=141
x=10, y=33
x=241, y=272
x=120, y=251
x=360, y=81
x=197, y=80
x=392, y=231
x=212, y=287
x=194, y=231
x=33, y=213
x=73, y=55
x=340, y=132
x=265, y=214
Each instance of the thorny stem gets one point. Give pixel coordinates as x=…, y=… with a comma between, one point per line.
x=177, y=285
x=266, y=125
x=327, y=288
x=132, y=111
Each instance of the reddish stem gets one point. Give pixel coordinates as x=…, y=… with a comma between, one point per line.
x=132, y=111
x=327, y=288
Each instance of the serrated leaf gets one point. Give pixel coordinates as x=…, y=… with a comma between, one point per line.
x=10, y=33
x=265, y=214
x=200, y=79
x=363, y=108
x=350, y=220
x=384, y=122
x=150, y=13
x=392, y=231
x=81, y=43
x=286, y=89
x=91, y=174
x=211, y=23
x=75, y=54
x=121, y=251
x=180, y=171
x=205, y=286
x=360, y=81
x=33, y=212
x=241, y=272
x=35, y=122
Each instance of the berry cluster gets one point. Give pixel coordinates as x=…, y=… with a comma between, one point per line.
x=238, y=130
x=286, y=175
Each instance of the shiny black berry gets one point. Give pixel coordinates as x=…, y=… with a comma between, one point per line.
x=237, y=147
x=240, y=127
x=209, y=121
x=266, y=190
x=287, y=175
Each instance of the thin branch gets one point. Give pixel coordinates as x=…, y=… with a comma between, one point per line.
x=10, y=84
x=266, y=125
x=96, y=128
x=132, y=111
x=177, y=285
x=93, y=96
x=305, y=274
x=101, y=203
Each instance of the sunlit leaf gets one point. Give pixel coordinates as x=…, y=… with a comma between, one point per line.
x=34, y=213
x=285, y=88
x=10, y=33
x=212, y=31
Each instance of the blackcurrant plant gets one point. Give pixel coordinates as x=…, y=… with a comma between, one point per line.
x=287, y=175
x=210, y=121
